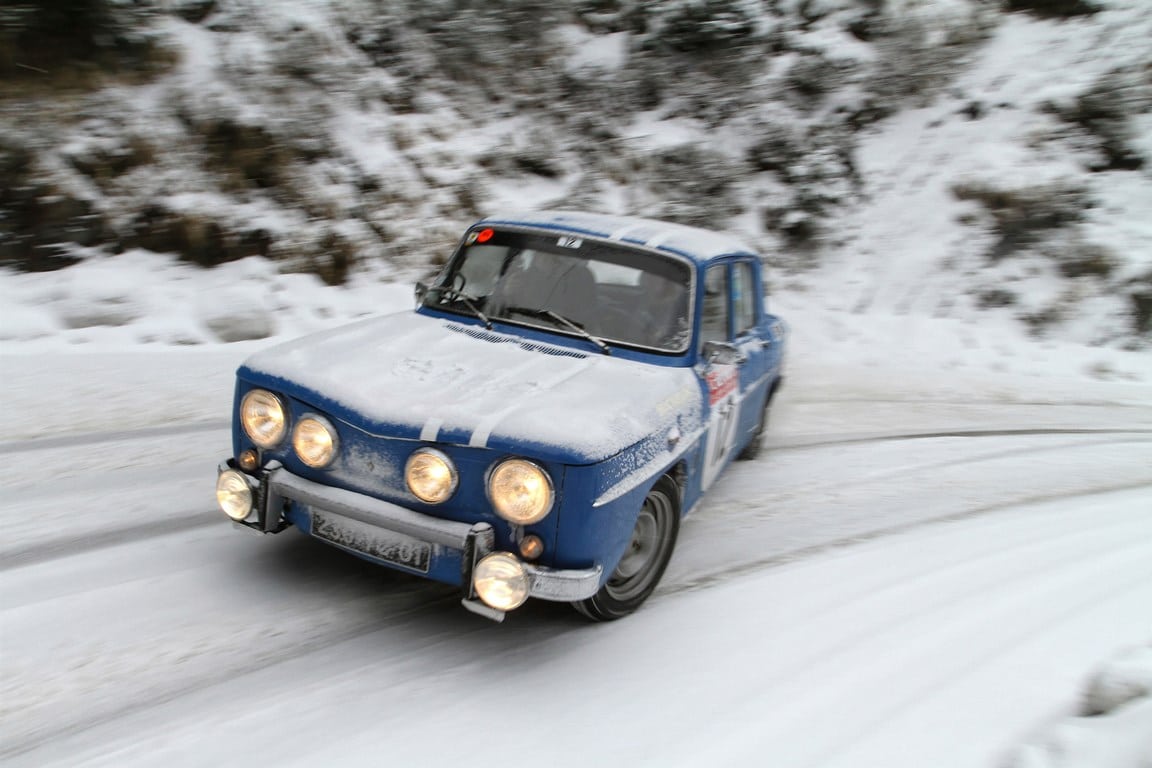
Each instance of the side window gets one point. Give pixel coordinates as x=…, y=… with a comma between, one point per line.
x=714, y=313
x=744, y=297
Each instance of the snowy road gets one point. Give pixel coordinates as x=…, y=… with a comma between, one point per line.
x=893, y=584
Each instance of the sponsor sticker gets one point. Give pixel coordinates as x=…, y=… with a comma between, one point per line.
x=722, y=381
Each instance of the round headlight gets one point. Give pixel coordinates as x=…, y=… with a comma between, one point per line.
x=520, y=491
x=315, y=441
x=234, y=494
x=263, y=417
x=430, y=476
x=501, y=581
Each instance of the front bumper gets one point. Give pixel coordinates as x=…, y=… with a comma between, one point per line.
x=274, y=487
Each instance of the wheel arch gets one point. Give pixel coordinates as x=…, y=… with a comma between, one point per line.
x=678, y=474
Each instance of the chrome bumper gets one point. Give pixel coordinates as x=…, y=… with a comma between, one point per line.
x=275, y=485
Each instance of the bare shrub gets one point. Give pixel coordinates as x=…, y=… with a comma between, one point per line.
x=698, y=58
x=534, y=152
x=1053, y=9
x=1040, y=321
x=1141, y=302
x=320, y=251
x=39, y=221
x=194, y=11
x=692, y=185
x=66, y=43
x=921, y=49
x=702, y=26
x=1139, y=291
x=1022, y=217
x=196, y=238
x=1077, y=258
x=990, y=298
x=811, y=77
x=103, y=149
x=608, y=16
x=1104, y=113
x=819, y=170
x=499, y=47
x=778, y=146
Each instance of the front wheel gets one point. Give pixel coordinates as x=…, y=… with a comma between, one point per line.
x=645, y=558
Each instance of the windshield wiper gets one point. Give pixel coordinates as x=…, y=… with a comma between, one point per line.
x=468, y=301
x=556, y=317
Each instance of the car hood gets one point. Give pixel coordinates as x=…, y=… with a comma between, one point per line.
x=413, y=376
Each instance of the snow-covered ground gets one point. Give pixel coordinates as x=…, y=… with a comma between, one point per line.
x=948, y=541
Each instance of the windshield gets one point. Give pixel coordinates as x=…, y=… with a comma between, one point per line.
x=605, y=292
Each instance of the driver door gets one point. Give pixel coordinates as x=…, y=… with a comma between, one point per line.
x=719, y=371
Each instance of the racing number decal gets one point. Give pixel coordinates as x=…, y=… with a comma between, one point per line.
x=725, y=419
x=723, y=390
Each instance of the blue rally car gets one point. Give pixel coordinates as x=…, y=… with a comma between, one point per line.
x=565, y=391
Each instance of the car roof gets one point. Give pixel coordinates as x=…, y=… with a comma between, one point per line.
x=700, y=245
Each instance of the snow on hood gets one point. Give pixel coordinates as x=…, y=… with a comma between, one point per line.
x=409, y=375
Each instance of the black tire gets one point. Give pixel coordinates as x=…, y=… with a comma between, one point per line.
x=644, y=561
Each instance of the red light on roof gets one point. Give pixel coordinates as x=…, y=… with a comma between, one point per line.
x=484, y=235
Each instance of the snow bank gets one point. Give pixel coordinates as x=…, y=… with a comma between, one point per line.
x=1115, y=730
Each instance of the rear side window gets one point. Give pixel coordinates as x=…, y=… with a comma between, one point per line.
x=714, y=313
x=744, y=297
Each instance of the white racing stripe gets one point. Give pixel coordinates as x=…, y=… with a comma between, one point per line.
x=431, y=429
x=659, y=239
x=484, y=429
x=624, y=231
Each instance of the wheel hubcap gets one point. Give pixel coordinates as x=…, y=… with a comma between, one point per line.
x=641, y=548
x=641, y=559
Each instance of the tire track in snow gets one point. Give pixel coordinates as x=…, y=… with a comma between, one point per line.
x=65, y=546
x=102, y=712
x=75, y=509
x=779, y=512
x=775, y=496
x=732, y=572
x=272, y=656
x=984, y=653
x=410, y=623
x=78, y=440
x=58, y=548
x=1035, y=584
x=878, y=586
x=360, y=628
x=803, y=443
x=96, y=438
x=824, y=661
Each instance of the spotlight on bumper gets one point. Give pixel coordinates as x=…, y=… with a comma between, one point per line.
x=234, y=494
x=501, y=581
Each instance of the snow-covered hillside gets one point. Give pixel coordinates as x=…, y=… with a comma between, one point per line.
x=940, y=157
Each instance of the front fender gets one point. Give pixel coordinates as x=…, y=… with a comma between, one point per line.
x=602, y=502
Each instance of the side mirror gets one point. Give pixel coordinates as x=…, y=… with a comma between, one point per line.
x=723, y=353
x=421, y=290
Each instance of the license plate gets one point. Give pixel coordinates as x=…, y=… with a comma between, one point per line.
x=384, y=545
